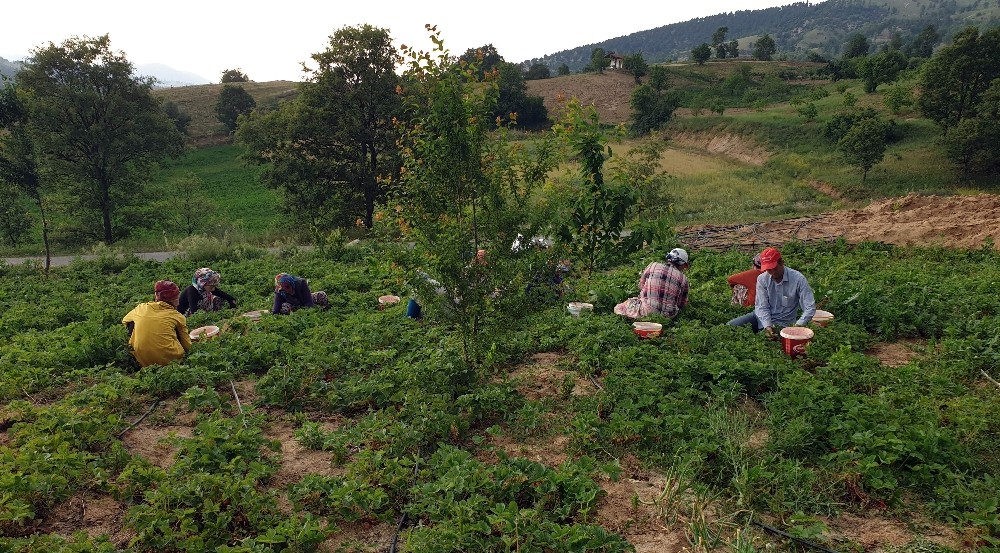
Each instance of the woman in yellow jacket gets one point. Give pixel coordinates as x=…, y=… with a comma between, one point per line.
x=158, y=330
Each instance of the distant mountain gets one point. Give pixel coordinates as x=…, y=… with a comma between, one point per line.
x=168, y=76
x=9, y=68
x=797, y=29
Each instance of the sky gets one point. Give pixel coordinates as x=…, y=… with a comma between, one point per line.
x=270, y=40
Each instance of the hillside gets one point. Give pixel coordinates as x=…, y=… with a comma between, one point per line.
x=797, y=29
x=198, y=101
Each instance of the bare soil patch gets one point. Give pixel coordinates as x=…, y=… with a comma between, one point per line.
x=631, y=509
x=912, y=220
x=896, y=354
x=296, y=460
x=360, y=536
x=94, y=514
x=543, y=377
x=875, y=533
x=149, y=442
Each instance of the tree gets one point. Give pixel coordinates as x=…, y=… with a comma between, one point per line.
x=181, y=119
x=234, y=76
x=923, y=44
x=881, y=68
x=233, y=102
x=15, y=222
x=514, y=104
x=897, y=97
x=857, y=46
x=97, y=130
x=190, y=205
x=333, y=148
x=659, y=78
x=719, y=42
x=864, y=144
x=809, y=111
x=598, y=60
x=764, y=48
x=636, y=65
x=465, y=188
x=563, y=70
x=19, y=161
x=734, y=49
x=701, y=53
x=652, y=104
x=537, y=71
x=952, y=81
x=486, y=58
x=974, y=143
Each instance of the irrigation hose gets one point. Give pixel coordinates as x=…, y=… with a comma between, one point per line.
x=144, y=415
x=783, y=534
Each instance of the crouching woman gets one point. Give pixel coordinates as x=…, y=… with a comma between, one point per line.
x=158, y=333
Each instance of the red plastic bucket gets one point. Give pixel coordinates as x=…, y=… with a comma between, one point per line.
x=795, y=339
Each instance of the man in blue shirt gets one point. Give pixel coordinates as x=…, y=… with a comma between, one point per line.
x=781, y=292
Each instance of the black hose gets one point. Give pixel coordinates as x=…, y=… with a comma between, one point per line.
x=395, y=537
x=805, y=542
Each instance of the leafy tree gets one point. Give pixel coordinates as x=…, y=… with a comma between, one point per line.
x=97, y=130
x=332, y=150
x=974, y=143
x=180, y=118
x=809, y=111
x=849, y=100
x=734, y=49
x=864, y=144
x=897, y=97
x=857, y=46
x=514, y=104
x=659, y=78
x=952, y=81
x=234, y=76
x=190, y=205
x=486, y=58
x=562, y=70
x=537, y=71
x=701, y=53
x=719, y=42
x=233, y=102
x=465, y=188
x=19, y=161
x=923, y=44
x=652, y=104
x=636, y=65
x=881, y=68
x=598, y=60
x=764, y=48
x=15, y=221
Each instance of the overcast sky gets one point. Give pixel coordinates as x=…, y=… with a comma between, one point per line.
x=270, y=40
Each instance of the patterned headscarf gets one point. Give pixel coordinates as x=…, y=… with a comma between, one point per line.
x=167, y=291
x=756, y=262
x=284, y=280
x=205, y=276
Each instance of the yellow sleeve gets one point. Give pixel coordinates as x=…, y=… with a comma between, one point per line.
x=182, y=333
x=129, y=317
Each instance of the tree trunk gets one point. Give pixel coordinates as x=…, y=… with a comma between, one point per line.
x=106, y=211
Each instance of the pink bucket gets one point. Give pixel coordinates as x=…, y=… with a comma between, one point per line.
x=795, y=339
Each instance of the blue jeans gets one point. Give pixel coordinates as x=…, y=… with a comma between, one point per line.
x=748, y=319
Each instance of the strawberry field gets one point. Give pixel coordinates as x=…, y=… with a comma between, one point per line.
x=415, y=449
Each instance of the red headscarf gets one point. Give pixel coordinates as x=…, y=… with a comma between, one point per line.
x=166, y=291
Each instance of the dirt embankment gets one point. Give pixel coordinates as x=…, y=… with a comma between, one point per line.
x=727, y=144
x=912, y=220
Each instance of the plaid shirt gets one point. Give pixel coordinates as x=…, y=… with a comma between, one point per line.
x=663, y=289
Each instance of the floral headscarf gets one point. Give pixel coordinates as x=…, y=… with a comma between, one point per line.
x=205, y=276
x=284, y=280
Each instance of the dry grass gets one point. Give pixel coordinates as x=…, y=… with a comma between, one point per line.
x=198, y=101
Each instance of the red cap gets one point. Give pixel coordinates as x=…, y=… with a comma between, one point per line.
x=769, y=259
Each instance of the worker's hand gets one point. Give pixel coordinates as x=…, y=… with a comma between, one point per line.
x=769, y=331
